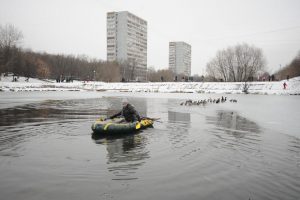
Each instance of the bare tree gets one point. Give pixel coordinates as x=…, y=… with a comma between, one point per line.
x=10, y=37
x=211, y=70
x=128, y=69
x=132, y=69
x=165, y=75
x=42, y=69
x=108, y=71
x=238, y=63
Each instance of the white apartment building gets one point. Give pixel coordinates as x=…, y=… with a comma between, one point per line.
x=180, y=58
x=127, y=41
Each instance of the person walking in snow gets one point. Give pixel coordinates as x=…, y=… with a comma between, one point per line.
x=284, y=85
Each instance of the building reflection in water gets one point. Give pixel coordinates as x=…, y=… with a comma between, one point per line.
x=179, y=117
x=239, y=132
x=233, y=124
x=178, y=128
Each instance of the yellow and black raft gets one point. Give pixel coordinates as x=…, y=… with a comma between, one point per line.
x=119, y=126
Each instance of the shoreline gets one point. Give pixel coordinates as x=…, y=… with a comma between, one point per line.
x=262, y=88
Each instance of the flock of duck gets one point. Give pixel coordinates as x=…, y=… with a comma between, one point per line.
x=205, y=101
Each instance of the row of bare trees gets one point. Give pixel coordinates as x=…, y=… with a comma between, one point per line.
x=42, y=65
x=48, y=66
x=65, y=67
x=163, y=75
x=237, y=63
x=10, y=38
x=291, y=70
x=68, y=67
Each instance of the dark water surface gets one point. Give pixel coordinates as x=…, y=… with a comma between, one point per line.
x=247, y=150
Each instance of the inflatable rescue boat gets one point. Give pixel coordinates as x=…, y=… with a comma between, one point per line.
x=120, y=126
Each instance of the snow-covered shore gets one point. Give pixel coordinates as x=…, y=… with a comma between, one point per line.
x=275, y=87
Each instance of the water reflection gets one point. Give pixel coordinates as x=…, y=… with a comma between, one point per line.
x=49, y=117
x=294, y=145
x=24, y=114
x=232, y=123
x=178, y=128
x=125, y=154
x=203, y=154
x=179, y=117
x=52, y=109
x=240, y=133
x=294, y=151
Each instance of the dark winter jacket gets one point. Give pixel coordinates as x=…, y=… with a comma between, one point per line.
x=129, y=113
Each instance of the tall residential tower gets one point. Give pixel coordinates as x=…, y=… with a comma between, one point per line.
x=180, y=58
x=127, y=41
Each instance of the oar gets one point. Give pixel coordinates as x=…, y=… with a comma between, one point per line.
x=153, y=119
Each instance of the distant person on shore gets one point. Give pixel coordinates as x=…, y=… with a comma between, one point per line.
x=284, y=85
x=128, y=112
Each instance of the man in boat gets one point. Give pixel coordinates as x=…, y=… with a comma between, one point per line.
x=128, y=112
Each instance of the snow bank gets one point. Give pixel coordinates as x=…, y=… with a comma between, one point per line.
x=276, y=87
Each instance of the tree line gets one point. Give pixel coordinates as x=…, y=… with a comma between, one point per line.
x=236, y=63
x=26, y=63
x=291, y=70
x=22, y=62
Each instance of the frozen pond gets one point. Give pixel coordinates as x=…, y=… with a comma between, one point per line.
x=244, y=150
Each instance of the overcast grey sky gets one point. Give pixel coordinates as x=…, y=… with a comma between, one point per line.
x=79, y=26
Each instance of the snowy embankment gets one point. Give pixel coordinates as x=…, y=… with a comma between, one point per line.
x=275, y=87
